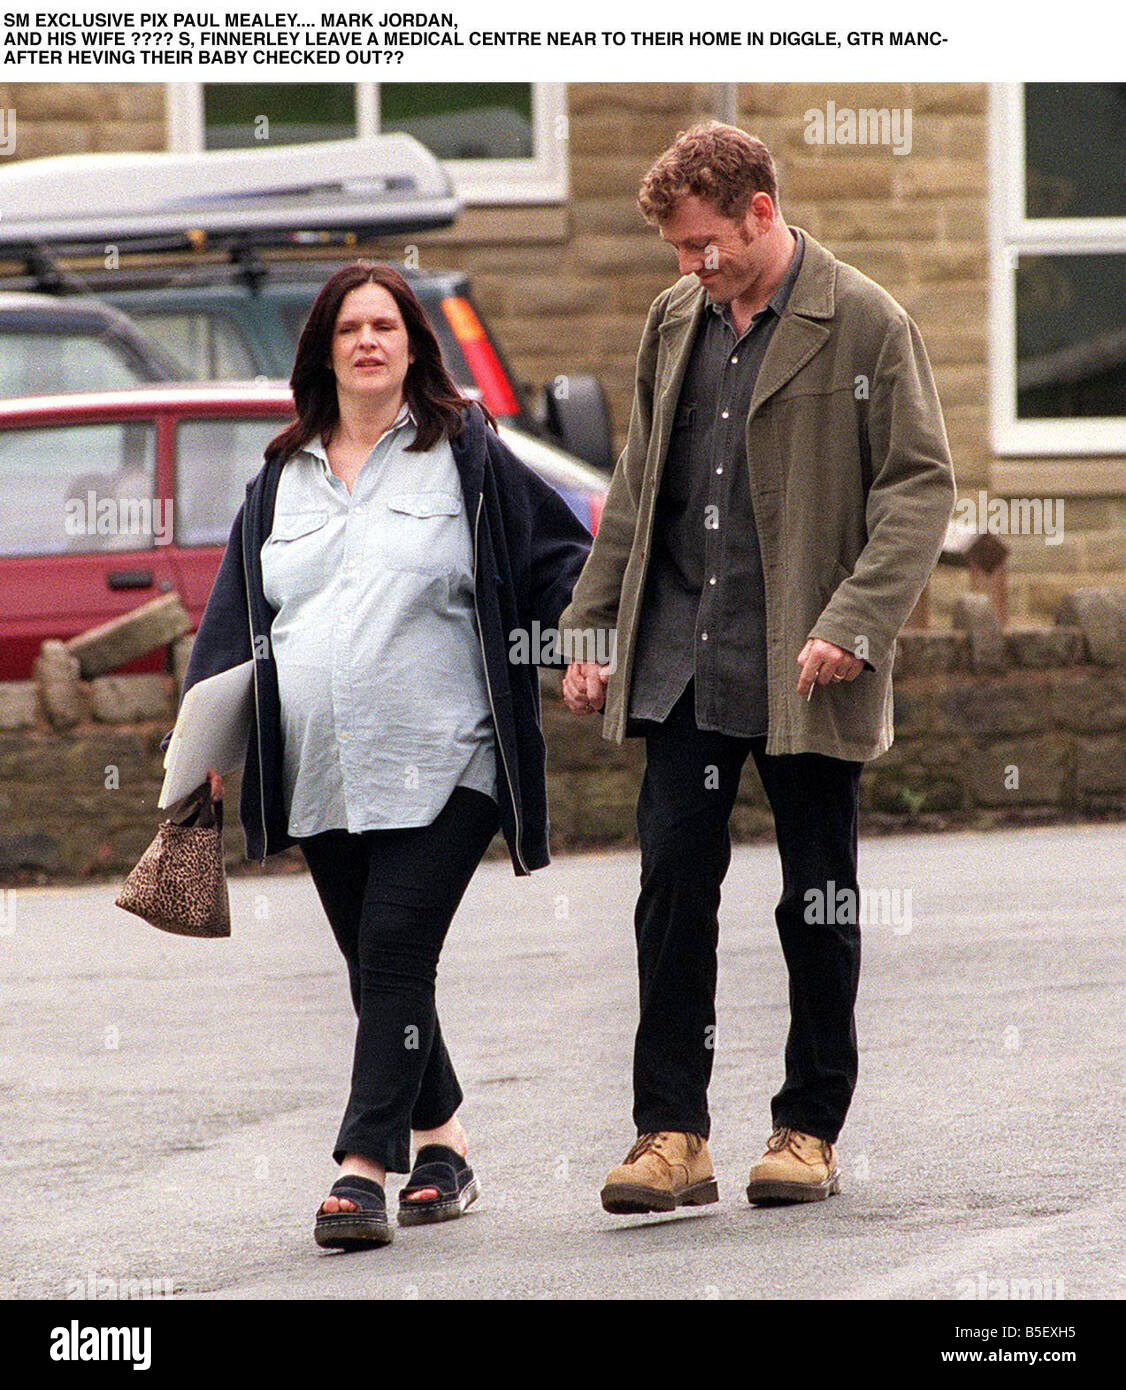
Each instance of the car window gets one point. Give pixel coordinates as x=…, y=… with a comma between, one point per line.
x=79, y=488
x=207, y=346
x=40, y=364
x=215, y=459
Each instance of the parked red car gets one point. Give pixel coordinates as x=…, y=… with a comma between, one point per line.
x=110, y=499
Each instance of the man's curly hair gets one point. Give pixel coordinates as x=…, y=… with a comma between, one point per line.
x=719, y=163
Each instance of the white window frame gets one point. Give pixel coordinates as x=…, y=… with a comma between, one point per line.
x=541, y=179
x=1012, y=234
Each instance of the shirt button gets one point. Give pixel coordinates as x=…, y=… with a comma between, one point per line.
x=712, y=579
x=724, y=415
x=719, y=469
x=703, y=636
x=734, y=361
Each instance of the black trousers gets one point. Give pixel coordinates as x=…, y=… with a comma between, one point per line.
x=687, y=795
x=390, y=896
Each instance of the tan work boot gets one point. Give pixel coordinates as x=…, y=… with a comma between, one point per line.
x=796, y=1167
x=661, y=1172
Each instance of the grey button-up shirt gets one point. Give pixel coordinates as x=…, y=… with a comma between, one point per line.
x=704, y=610
x=382, y=684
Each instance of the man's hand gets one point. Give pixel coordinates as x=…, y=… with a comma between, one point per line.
x=584, y=686
x=216, y=782
x=822, y=662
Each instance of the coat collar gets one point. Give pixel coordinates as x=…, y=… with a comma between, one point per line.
x=813, y=294
x=469, y=451
x=800, y=332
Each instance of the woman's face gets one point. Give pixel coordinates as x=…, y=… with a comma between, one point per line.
x=370, y=348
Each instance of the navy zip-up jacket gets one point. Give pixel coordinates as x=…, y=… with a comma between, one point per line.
x=528, y=549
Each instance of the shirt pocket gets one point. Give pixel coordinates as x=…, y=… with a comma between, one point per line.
x=292, y=526
x=419, y=531
x=293, y=557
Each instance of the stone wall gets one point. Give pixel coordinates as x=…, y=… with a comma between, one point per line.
x=991, y=727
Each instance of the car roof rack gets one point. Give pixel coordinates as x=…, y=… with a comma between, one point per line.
x=379, y=186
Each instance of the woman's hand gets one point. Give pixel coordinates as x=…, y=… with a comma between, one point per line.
x=584, y=687
x=216, y=784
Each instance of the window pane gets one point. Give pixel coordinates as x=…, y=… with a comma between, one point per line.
x=37, y=364
x=295, y=112
x=1071, y=342
x=207, y=346
x=77, y=488
x=215, y=459
x=462, y=120
x=1075, y=149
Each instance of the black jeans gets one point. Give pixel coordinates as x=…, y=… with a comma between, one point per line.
x=390, y=896
x=690, y=785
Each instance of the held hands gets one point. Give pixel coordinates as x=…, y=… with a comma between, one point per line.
x=584, y=686
x=822, y=662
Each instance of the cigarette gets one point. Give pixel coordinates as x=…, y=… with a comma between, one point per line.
x=811, y=690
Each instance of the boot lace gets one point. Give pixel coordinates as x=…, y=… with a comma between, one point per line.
x=646, y=1143
x=786, y=1138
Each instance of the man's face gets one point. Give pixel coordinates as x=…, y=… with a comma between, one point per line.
x=725, y=256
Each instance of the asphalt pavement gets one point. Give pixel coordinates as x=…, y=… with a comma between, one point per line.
x=170, y=1105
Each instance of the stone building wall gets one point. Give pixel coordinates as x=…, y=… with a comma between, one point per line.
x=566, y=288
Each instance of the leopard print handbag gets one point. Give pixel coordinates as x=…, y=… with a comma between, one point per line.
x=179, y=883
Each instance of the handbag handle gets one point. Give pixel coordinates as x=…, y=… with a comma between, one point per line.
x=199, y=809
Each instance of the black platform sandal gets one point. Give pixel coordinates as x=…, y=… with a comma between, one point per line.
x=355, y=1230
x=447, y=1172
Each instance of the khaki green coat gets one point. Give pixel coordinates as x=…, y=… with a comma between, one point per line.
x=851, y=484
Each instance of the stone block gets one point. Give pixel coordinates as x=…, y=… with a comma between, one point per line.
x=35, y=850
x=1100, y=766
x=910, y=791
x=994, y=707
x=181, y=654
x=143, y=629
x=57, y=675
x=1090, y=701
x=975, y=615
x=1101, y=614
x=19, y=704
x=1022, y=772
x=929, y=653
x=129, y=699
x=1039, y=647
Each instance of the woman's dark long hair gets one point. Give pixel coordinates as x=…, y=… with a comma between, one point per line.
x=430, y=391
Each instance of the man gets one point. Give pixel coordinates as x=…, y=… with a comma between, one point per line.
x=782, y=497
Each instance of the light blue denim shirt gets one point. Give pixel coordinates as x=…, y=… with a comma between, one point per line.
x=384, y=703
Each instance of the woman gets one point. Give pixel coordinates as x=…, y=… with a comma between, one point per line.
x=382, y=558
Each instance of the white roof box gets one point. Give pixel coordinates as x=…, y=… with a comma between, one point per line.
x=386, y=184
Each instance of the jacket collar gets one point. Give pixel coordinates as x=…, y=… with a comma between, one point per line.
x=800, y=332
x=469, y=451
x=812, y=296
